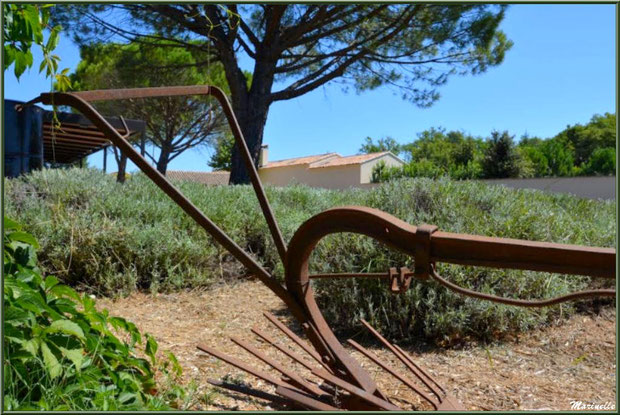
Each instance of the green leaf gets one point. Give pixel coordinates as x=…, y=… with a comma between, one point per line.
x=32, y=301
x=24, y=237
x=66, y=327
x=62, y=290
x=20, y=64
x=178, y=370
x=50, y=282
x=125, y=397
x=27, y=275
x=118, y=323
x=52, y=365
x=76, y=356
x=52, y=42
x=43, y=65
x=10, y=224
x=151, y=347
x=32, y=346
x=14, y=314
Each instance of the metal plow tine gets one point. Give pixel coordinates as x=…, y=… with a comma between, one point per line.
x=304, y=400
x=297, y=358
x=354, y=390
x=295, y=379
x=415, y=369
x=406, y=356
x=449, y=402
x=376, y=360
x=249, y=391
x=245, y=367
x=295, y=338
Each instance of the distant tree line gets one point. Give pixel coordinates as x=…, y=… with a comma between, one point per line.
x=578, y=150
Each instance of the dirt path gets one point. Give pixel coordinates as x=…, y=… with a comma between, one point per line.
x=544, y=370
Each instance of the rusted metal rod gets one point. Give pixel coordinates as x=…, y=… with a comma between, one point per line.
x=354, y=390
x=423, y=376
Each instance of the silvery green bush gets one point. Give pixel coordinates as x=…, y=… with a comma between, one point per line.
x=111, y=239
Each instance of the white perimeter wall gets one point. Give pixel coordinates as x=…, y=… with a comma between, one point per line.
x=586, y=187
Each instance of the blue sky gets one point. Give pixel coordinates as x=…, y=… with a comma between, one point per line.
x=561, y=70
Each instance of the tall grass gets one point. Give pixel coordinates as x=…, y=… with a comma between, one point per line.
x=112, y=238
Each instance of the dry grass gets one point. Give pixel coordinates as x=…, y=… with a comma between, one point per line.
x=542, y=370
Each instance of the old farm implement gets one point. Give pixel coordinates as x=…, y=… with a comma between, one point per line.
x=338, y=381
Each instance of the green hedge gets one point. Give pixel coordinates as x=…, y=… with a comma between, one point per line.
x=113, y=238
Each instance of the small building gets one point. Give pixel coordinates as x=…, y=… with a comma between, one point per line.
x=330, y=170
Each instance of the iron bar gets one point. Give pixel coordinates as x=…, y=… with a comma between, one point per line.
x=392, y=372
x=294, y=378
x=294, y=356
x=243, y=366
x=304, y=400
x=354, y=390
x=249, y=391
x=413, y=367
x=295, y=338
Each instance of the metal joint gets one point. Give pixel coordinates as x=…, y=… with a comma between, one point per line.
x=400, y=279
x=422, y=254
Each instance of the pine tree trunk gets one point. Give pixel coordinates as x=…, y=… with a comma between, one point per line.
x=252, y=119
x=121, y=162
x=162, y=162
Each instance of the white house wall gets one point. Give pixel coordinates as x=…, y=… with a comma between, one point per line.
x=337, y=177
x=366, y=168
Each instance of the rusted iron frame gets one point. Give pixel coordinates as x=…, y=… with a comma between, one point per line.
x=577, y=295
x=454, y=248
x=449, y=248
x=298, y=295
x=296, y=339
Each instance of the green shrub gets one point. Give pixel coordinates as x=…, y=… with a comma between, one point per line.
x=602, y=162
x=59, y=352
x=114, y=238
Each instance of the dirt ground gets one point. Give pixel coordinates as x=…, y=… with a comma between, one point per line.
x=547, y=369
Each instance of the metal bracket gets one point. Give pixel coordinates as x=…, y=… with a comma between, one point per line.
x=422, y=254
x=400, y=279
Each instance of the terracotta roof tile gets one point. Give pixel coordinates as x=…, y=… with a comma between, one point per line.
x=343, y=161
x=299, y=160
x=211, y=178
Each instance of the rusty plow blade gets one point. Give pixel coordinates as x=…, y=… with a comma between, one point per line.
x=318, y=373
x=315, y=386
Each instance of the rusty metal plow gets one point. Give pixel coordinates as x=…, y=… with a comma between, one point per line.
x=333, y=379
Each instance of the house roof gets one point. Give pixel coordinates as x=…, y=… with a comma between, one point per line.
x=343, y=161
x=211, y=178
x=325, y=160
x=299, y=161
